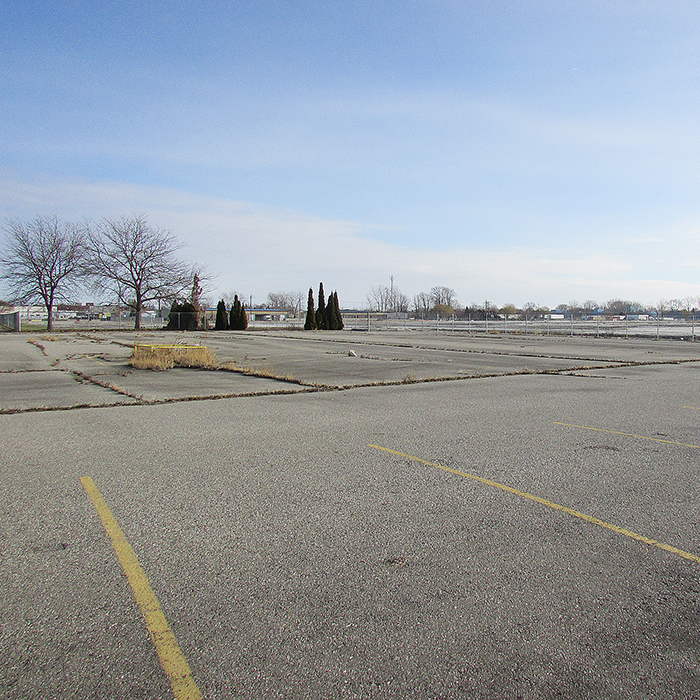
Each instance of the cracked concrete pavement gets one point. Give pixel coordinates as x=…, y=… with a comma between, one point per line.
x=75, y=369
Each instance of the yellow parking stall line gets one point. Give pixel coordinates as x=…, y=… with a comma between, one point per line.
x=632, y=435
x=549, y=504
x=171, y=658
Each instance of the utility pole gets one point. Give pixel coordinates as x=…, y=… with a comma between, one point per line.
x=391, y=294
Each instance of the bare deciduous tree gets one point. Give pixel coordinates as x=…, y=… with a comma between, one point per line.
x=43, y=261
x=622, y=307
x=379, y=298
x=286, y=301
x=508, y=310
x=443, y=296
x=137, y=263
x=422, y=303
x=230, y=297
x=386, y=299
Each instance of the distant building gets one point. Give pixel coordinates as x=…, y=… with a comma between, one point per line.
x=267, y=315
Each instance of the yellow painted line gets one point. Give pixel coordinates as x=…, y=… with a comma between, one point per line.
x=171, y=658
x=692, y=408
x=632, y=435
x=549, y=504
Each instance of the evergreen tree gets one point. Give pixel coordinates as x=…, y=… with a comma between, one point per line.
x=335, y=319
x=331, y=321
x=183, y=317
x=310, y=324
x=234, y=314
x=339, y=316
x=221, y=317
x=238, y=319
x=196, y=293
x=321, y=318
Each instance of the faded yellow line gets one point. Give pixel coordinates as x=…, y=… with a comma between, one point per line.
x=632, y=435
x=171, y=658
x=549, y=504
x=692, y=408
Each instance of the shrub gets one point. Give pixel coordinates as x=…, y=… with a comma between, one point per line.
x=183, y=317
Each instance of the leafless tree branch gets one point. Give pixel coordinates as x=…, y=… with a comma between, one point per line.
x=43, y=260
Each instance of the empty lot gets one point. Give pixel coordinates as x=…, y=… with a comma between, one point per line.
x=312, y=528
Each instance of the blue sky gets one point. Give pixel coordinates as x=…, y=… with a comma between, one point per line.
x=537, y=150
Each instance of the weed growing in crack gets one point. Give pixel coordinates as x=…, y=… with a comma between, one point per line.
x=164, y=357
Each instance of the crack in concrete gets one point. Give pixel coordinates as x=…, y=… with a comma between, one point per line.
x=305, y=388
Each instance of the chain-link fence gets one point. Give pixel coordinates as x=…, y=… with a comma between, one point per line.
x=10, y=321
x=687, y=328
x=682, y=328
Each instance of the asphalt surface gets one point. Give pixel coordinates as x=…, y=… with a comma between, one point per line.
x=295, y=556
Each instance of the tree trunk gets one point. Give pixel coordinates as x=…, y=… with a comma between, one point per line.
x=137, y=315
x=49, y=312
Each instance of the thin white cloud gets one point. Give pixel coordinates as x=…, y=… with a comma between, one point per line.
x=255, y=249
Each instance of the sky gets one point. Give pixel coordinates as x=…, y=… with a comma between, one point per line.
x=538, y=151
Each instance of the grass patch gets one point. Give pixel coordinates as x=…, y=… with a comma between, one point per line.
x=164, y=357
x=263, y=373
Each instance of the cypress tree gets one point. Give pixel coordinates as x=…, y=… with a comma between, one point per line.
x=221, y=317
x=339, y=316
x=335, y=319
x=238, y=319
x=310, y=324
x=321, y=318
x=331, y=320
x=234, y=314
